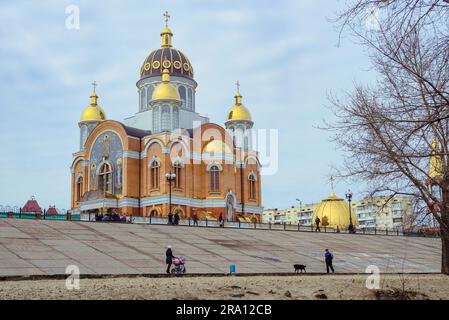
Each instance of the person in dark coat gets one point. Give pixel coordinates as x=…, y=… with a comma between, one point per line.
x=317, y=224
x=220, y=219
x=170, y=218
x=195, y=219
x=328, y=257
x=169, y=258
x=176, y=219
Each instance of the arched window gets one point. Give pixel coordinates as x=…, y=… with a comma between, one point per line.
x=190, y=99
x=154, y=174
x=142, y=99
x=156, y=119
x=150, y=90
x=175, y=118
x=177, y=166
x=105, y=178
x=252, y=186
x=165, y=118
x=79, y=189
x=214, y=179
x=182, y=94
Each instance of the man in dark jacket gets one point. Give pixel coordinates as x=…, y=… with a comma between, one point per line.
x=317, y=223
x=328, y=257
x=176, y=220
x=169, y=258
x=220, y=220
x=195, y=219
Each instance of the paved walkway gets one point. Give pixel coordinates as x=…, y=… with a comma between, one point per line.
x=39, y=247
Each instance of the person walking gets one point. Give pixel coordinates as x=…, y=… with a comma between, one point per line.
x=170, y=218
x=317, y=224
x=176, y=221
x=195, y=219
x=169, y=258
x=328, y=257
x=221, y=221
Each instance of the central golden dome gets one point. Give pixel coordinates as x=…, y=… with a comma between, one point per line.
x=334, y=212
x=165, y=90
x=93, y=112
x=166, y=57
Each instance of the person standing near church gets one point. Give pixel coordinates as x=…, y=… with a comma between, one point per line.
x=195, y=219
x=328, y=257
x=169, y=258
x=176, y=220
x=317, y=224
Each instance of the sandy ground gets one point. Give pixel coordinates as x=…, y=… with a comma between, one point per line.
x=230, y=287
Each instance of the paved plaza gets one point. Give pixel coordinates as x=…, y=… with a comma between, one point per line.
x=40, y=247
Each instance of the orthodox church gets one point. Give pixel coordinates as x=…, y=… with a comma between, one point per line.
x=167, y=157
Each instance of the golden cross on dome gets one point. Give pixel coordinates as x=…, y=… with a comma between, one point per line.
x=167, y=17
x=238, y=86
x=331, y=181
x=94, y=84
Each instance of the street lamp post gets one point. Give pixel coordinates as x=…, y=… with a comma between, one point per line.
x=170, y=178
x=349, y=197
x=300, y=203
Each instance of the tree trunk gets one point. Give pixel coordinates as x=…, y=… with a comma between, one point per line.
x=444, y=251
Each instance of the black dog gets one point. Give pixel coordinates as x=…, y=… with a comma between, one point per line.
x=300, y=267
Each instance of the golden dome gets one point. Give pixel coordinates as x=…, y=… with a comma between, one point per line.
x=435, y=165
x=93, y=112
x=334, y=212
x=239, y=112
x=216, y=146
x=165, y=90
x=166, y=57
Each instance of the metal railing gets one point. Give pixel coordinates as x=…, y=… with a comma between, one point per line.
x=40, y=216
x=209, y=223
x=213, y=223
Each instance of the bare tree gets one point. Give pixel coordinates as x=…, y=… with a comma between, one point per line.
x=392, y=129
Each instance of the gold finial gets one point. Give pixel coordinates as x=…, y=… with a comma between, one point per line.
x=93, y=96
x=166, y=18
x=166, y=33
x=94, y=84
x=331, y=182
x=238, y=96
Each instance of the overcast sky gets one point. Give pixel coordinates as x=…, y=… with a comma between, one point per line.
x=284, y=53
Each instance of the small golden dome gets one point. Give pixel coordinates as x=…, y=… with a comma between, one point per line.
x=239, y=112
x=216, y=146
x=334, y=212
x=165, y=90
x=93, y=112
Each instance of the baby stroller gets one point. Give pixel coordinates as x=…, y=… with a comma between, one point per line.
x=179, y=267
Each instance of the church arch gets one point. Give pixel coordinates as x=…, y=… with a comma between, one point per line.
x=150, y=143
